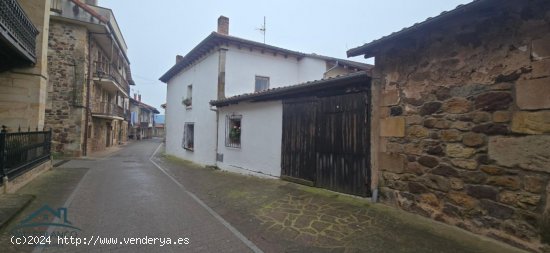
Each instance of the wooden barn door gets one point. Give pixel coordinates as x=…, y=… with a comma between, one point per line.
x=342, y=144
x=298, y=144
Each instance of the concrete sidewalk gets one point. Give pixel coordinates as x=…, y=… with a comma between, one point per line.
x=279, y=216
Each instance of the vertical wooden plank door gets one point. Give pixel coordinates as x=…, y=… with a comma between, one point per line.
x=342, y=144
x=298, y=144
x=326, y=143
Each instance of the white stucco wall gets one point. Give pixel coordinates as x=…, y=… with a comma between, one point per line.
x=261, y=133
x=243, y=65
x=310, y=69
x=204, y=78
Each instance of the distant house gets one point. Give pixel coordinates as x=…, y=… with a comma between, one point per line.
x=224, y=66
x=142, y=119
x=159, y=130
x=461, y=119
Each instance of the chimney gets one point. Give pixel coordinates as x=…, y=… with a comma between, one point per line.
x=178, y=58
x=139, y=97
x=223, y=25
x=91, y=2
x=135, y=96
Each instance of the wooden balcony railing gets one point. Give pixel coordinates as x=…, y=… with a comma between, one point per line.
x=105, y=70
x=108, y=109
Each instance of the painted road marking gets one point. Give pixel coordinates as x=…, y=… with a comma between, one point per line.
x=233, y=230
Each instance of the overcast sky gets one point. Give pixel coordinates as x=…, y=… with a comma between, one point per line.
x=156, y=31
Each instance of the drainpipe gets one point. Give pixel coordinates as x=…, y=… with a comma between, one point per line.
x=88, y=84
x=217, y=131
x=335, y=66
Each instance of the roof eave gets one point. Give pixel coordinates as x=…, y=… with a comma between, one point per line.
x=279, y=93
x=370, y=49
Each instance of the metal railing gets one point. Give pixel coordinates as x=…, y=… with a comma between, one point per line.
x=17, y=26
x=21, y=151
x=107, y=108
x=104, y=70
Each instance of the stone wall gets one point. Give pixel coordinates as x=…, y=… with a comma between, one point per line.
x=465, y=124
x=67, y=69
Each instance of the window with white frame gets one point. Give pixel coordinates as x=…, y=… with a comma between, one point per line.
x=233, y=131
x=262, y=83
x=188, y=141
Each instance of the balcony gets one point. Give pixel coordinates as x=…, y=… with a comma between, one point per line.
x=107, y=110
x=146, y=124
x=111, y=80
x=17, y=36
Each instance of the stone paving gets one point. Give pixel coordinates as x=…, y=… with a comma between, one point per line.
x=124, y=195
x=281, y=216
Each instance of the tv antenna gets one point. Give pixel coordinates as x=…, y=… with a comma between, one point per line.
x=262, y=29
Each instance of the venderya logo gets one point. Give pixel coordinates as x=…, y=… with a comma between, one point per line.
x=45, y=222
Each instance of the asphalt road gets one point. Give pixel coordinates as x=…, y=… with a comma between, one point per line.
x=128, y=197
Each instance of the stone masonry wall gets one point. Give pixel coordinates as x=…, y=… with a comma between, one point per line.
x=465, y=125
x=67, y=69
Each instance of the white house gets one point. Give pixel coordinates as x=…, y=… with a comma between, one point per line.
x=223, y=66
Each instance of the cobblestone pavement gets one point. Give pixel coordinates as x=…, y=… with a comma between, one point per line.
x=126, y=195
x=279, y=216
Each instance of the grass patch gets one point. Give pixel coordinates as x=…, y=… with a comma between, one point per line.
x=236, y=194
x=182, y=162
x=348, y=199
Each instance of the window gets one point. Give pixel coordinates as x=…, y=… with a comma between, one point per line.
x=188, y=101
x=233, y=131
x=188, y=136
x=262, y=83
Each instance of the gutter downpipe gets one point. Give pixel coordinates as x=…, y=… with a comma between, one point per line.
x=87, y=106
x=333, y=67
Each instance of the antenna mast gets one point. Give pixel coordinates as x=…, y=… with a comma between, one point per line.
x=262, y=29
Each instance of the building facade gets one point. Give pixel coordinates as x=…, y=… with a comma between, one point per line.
x=23, y=65
x=224, y=66
x=142, y=119
x=461, y=129
x=87, y=102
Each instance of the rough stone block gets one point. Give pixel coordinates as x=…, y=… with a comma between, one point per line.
x=451, y=135
x=392, y=127
x=540, y=49
x=428, y=161
x=529, y=152
x=482, y=192
x=502, y=116
x=540, y=68
x=459, y=151
x=417, y=132
x=390, y=98
x=533, y=184
x=531, y=122
x=392, y=162
x=457, y=105
x=509, y=182
x=430, y=108
x=533, y=94
x=465, y=164
x=496, y=210
x=473, y=139
x=493, y=101
x=462, y=200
